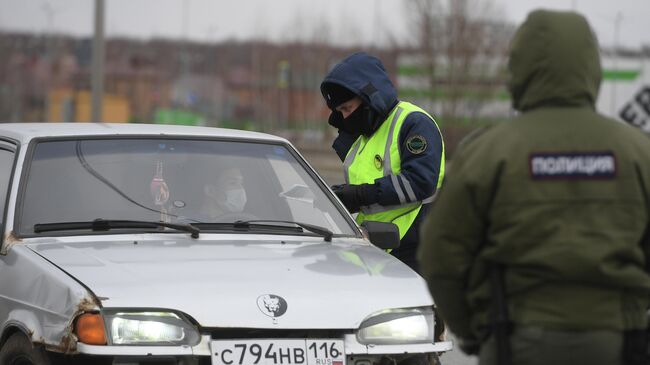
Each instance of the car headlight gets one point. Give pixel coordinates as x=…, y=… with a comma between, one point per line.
x=398, y=326
x=149, y=328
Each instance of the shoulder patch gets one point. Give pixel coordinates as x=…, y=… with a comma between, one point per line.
x=572, y=165
x=416, y=144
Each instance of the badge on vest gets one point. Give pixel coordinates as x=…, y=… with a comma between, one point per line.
x=572, y=165
x=378, y=162
x=416, y=144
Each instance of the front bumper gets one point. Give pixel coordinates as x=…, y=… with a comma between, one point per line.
x=352, y=349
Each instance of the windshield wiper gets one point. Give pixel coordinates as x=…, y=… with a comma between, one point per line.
x=321, y=231
x=108, y=224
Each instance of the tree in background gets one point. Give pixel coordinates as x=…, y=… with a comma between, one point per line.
x=461, y=48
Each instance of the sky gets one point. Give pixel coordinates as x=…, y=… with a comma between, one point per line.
x=345, y=22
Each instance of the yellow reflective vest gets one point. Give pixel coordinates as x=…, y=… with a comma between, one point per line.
x=373, y=157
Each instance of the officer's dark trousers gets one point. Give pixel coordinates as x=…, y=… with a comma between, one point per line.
x=540, y=346
x=407, y=251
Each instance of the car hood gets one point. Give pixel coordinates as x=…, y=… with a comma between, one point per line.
x=224, y=281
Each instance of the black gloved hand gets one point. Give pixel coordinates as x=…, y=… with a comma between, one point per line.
x=336, y=120
x=356, y=196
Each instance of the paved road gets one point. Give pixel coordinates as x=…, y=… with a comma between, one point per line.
x=457, y=357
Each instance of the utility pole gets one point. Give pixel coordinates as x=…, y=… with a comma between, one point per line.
x=49, y=31
x=185, y=55
x=49, y=16
x=185, y=19
x=97, y=73
x=376, y=25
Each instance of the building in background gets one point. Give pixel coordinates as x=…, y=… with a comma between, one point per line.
x=253, y=85
x=459, y=76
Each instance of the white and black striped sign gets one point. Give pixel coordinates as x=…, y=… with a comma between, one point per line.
x=637, y=110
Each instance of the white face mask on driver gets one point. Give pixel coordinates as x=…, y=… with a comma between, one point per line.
x=235, y=200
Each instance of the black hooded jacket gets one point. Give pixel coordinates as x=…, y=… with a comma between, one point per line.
x=366, y=77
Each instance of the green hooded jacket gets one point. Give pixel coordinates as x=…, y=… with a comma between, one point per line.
x=560, y=195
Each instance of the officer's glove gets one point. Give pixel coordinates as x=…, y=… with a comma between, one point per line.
x=356, y=196
x=336, y=120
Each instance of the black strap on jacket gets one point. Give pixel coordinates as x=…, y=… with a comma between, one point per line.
x=500, y=321
x=636, y=342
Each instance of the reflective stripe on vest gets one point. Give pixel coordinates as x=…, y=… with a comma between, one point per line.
x=360, y=166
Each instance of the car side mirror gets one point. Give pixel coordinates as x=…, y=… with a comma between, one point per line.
x=382, y=234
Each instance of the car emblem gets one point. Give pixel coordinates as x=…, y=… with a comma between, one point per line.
x=272, y=305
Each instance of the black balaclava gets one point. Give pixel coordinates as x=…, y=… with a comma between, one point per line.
x=363, y=120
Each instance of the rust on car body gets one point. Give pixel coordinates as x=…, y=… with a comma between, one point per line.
x=10, y=239
x=68, y=343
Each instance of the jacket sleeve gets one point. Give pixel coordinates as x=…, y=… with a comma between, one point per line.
x=420, y=147
x=343, y=142
x=454, y=231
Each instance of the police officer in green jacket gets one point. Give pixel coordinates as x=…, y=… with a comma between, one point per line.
x=557, y=202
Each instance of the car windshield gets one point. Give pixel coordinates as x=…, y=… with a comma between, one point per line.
x=172, y=180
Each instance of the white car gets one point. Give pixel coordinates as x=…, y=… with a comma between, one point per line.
x=129, y=244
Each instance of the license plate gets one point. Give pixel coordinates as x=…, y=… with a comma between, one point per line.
x=277, y=352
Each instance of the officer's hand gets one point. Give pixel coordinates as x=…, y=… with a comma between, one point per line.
x=355, y=196
x=337, y=187
x=336, y=120
x=349, y=196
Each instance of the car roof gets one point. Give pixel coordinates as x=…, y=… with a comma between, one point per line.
x=24, y=132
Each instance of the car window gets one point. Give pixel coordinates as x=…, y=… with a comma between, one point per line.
x=171, y=180
x=6, y=166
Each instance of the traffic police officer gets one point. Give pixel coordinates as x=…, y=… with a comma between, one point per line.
x=392, y=150
x=557, y=203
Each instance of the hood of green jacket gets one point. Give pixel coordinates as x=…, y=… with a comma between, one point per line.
x=554, y=61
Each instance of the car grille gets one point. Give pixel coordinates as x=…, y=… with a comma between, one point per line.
x=246, y=333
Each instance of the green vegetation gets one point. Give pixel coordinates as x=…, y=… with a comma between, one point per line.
x=500, y=94
x=177, y=116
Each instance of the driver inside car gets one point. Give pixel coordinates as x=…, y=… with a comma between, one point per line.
x=225, y=197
